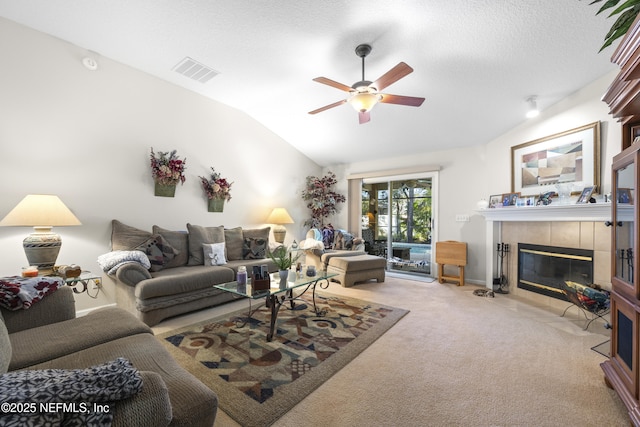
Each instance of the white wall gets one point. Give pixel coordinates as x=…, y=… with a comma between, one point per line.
x=471, y=174
x=86, y=136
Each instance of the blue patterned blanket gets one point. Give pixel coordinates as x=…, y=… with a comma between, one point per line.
x=61, y=397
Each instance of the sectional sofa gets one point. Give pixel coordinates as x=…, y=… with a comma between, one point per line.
x=180, y=267
x=46, y=353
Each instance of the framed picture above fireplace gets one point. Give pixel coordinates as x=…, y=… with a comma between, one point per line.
x=571, y=157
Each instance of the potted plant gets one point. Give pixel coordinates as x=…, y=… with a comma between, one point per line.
x=167, y=169
x=217, y=189
x=321, y=198
x=627, y=14
x=283, y=259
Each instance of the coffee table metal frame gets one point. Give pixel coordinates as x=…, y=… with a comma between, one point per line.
x=275, y=297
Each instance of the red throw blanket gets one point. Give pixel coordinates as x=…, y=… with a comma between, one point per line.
x=22, y=292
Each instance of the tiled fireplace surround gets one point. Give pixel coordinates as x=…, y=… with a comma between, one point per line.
x=570, y=226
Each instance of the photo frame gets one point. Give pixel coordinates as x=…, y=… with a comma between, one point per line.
x=495, y=201
x=585, y=196
x=635, y=132
x=570, y=157
x=510, y=199
x=625, y=196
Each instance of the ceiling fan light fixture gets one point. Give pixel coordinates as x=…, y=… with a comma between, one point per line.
x=364, y=95
x=364, y=101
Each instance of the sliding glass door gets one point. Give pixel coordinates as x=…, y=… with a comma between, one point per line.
x=397, y=222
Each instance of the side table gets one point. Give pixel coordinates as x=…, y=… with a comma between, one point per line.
x=81, y=283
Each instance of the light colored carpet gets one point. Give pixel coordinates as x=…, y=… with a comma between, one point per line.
x=462, y=360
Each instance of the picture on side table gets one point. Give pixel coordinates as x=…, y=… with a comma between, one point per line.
x=570, y=157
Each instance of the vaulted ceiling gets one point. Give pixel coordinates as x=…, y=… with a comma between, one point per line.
x=475, y=61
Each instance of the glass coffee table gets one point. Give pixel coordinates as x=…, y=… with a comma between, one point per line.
x=275, y=296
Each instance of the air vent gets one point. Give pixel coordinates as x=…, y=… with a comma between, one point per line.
x=195, y=70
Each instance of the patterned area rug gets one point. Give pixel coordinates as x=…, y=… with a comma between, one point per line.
x=259, y=381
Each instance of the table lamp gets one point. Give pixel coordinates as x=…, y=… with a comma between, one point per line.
x=279, y=216
x=42, y=212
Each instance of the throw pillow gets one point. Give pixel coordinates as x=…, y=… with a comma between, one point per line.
x=180, y=242
x=159, y=252
x=233, y=243
x=255, y=243
x=199, y=235
x=125, y=237
x=254, y=248
x=214, y=254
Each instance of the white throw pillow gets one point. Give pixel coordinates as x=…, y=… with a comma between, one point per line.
x=214, y=253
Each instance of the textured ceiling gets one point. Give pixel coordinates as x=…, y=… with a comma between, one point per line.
x=475, y=61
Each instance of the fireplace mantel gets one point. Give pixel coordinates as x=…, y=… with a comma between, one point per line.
x=574, y=212
x=588, y=212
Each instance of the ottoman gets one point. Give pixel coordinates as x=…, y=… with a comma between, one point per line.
x=359, y=268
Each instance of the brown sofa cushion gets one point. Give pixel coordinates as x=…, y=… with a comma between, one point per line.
x=5, y=347
x=37, y=345
x=233, y=243
x=199, y=235
x=126, y=238
x=192, y=403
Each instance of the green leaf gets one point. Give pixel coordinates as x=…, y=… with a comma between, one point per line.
x=625, y=5
x=622, y=23
x=609, y=4
x=620, y=27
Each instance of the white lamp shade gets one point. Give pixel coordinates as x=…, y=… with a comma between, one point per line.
x=40, y=210
x=279, y=216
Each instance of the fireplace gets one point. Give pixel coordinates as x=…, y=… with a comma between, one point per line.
x=545, y=269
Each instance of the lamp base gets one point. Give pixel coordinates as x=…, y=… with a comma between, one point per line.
x=279, y=232
x=41, y=249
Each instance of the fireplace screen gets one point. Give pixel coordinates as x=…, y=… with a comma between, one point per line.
x=545, y=269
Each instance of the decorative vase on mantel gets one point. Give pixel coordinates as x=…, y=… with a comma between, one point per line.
x=216, y=205
x=165, y=190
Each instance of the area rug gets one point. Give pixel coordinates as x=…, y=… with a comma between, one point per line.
x=258, y=381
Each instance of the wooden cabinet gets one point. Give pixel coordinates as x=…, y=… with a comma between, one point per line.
x=623, y=96
x=621, y=370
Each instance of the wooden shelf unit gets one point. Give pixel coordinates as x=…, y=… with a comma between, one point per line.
x=623, y=97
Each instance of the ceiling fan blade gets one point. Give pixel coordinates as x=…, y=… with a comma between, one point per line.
x=326, y=107
x=392, y=76
x=332, y=83
x=364, y=117
x=411, y=101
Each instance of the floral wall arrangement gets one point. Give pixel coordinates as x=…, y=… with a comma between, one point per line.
x=167, y=170
x=321, y=198
x=217, y=190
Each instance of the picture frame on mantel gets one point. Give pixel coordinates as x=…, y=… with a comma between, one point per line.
x=569, y=157
x=585, y=196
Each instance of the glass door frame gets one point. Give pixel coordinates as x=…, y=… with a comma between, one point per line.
x=388, y=180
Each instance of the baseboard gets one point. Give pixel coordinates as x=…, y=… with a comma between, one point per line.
x=86, y=311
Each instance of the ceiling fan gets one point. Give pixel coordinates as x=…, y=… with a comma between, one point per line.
x=364, y=95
